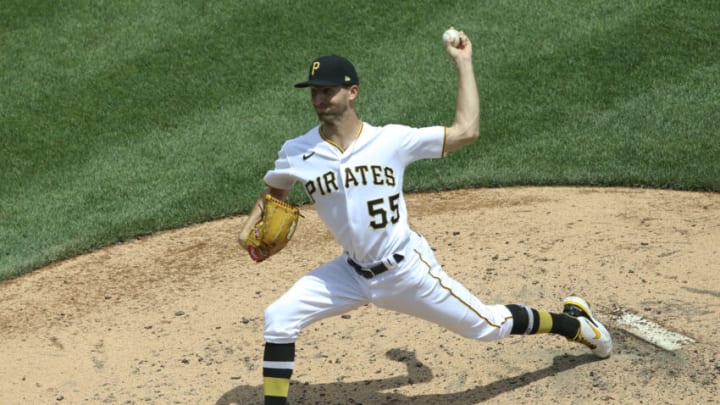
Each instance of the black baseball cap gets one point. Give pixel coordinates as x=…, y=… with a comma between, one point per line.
x=330, y=70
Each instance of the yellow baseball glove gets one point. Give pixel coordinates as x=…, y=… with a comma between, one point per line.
x=274, y=229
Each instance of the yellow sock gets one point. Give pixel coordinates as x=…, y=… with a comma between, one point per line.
x=276, y=390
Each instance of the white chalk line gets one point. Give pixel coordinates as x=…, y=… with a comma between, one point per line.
x=651, y=332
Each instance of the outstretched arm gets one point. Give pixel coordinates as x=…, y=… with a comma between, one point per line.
x=466, y=126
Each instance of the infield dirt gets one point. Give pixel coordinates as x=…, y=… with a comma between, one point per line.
x=177, y=317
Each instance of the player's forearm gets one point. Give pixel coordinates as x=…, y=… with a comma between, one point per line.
x=466, y=125
x=467, y=114
x=253, y=218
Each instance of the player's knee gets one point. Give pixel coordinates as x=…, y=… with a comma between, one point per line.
x=273, y=314
x=277, y=324
x=494, y=325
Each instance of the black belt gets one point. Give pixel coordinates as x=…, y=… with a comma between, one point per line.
x=370, y=272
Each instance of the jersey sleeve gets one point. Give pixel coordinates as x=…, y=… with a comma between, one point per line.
x=281, y=176
x=422, y=143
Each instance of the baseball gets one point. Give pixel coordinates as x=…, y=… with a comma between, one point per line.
x=452, y=37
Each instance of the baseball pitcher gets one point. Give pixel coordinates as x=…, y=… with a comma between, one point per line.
x=353, y=172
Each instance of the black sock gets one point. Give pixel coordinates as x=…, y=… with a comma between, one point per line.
x=278, y=366
x=521, y=319
x=530, y=321
x=565, y=325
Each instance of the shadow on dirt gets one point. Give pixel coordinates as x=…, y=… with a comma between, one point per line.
x=372, y=391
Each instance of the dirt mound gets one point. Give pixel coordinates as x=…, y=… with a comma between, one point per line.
x=177, y=317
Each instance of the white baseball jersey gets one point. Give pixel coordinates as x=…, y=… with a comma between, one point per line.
x=358, y=192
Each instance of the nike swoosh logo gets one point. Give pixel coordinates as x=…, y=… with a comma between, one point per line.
x=308, y=155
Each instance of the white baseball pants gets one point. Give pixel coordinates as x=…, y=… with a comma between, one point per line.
x=417, y=286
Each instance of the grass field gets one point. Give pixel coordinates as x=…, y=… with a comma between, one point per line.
x=120, y=119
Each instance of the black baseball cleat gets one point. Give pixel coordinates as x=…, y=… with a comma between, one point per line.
x=592, y=333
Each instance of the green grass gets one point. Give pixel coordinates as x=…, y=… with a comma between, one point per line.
x=120, y=119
